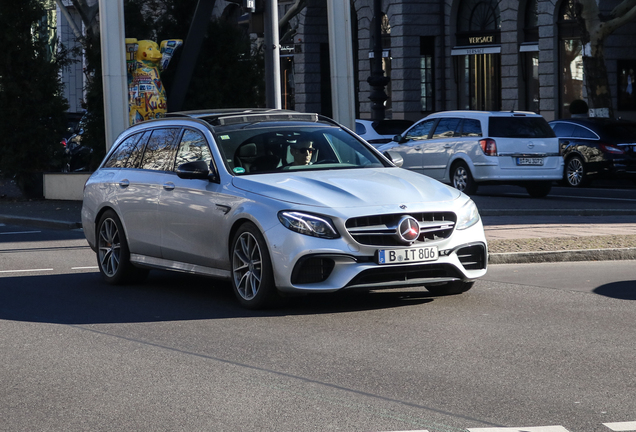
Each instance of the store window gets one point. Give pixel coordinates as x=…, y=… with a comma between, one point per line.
x=479, y=70
x=427, y=79
x=570, y=58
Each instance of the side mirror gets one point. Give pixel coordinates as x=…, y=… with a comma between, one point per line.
x=198, y=170
x=394, y=157
x=399, y=139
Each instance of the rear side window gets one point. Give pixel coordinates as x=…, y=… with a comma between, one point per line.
x=471, y=128
x=519, y=127
x=119, y=157
x=563, y=129
x=446, y=128
x=581, y=132
x=159, y=152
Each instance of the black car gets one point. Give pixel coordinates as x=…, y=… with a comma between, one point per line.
x=596, y=147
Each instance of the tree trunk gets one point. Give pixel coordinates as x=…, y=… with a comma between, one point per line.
x=597, y=85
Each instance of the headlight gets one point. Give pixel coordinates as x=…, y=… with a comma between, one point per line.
x=311, y=225
x=467, y=215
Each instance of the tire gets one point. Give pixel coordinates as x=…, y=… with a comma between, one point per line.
x=113, y=255
x=462, y=179
x=575, y=174
x=450, y=288
x=539, y=189
x=252, y=276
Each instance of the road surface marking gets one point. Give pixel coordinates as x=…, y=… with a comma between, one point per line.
x=20, y=232
x=85, y=268
x=523, y=429
x=27, y=270
x=622, y=426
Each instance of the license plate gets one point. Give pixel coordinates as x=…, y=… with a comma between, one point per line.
x=405, y=256
x=529, y=161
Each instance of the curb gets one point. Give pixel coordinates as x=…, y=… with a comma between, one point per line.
x=558, y=212
x=39, y=222
x=563, y=256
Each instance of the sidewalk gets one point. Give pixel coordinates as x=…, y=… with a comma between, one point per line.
x=511, y=239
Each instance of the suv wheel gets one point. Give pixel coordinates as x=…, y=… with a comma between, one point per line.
x=539, y=189
x=462, y=179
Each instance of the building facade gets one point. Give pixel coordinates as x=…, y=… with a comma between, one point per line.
x=459, y=54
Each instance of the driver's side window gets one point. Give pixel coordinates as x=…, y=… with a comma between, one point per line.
x=193, y=147
x=420, y=131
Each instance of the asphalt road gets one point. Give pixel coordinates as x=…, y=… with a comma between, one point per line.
x=538, y=348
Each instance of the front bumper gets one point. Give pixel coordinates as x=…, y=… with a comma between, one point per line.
x=310, y=267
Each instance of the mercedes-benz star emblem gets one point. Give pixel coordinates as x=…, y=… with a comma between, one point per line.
x=408, y=229
x=530, y=145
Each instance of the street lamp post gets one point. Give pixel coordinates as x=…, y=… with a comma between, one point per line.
x=377, y=80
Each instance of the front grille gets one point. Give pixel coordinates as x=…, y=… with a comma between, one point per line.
x=472, y=257
x=312, y=270
x=405, y=274
x=380, y=230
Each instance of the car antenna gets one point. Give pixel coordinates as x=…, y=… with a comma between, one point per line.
x=514, y=103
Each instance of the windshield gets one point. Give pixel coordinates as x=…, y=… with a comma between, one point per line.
x=274, y=147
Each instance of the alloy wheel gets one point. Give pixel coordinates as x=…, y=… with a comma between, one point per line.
x=574, y=172
x=109, y=247
x=247, y=266
x=460, y=178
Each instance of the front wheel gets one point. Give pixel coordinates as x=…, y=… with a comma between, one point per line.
x=252, y=276
x=462, y=179
x=113, y=255
x=450, y=288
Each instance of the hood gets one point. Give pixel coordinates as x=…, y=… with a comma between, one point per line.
x=348, y=188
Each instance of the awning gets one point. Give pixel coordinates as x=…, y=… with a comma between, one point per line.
x=476, y=50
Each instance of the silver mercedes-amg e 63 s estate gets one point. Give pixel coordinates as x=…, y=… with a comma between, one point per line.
x=276, y=202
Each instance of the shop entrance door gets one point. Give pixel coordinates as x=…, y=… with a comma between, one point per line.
x=484, y=82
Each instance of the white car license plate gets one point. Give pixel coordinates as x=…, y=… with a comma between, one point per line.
x=529, y=161
x=412, y=255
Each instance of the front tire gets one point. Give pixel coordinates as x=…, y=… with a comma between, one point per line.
x=113, y=255
x=462, y=179
x=252, y=275
x=450, y=288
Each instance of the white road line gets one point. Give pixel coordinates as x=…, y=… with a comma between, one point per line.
x=20, y=232
x=25, y=271
x=85, y=268
x=523, y=429
x=622, y=426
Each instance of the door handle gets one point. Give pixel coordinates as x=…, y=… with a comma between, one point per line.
x=448, y=145
x=418, y=148
x=168, y=186
x=124, y=183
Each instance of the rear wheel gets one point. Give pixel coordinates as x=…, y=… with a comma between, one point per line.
x=462, y=179
x=539, y=189
x=575, y=173
x=252, y=276
x=113, y=256
x=450, y=288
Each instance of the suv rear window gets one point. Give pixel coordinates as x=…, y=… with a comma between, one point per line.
x=519, y=127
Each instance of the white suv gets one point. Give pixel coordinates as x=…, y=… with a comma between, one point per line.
x=468, y=148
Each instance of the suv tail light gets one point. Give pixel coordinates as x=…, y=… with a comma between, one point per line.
x=63, y=142
x=489, y=146
x=606, y=148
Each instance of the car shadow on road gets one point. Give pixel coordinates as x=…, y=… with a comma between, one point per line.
x=623, y=290
x=83, y=298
